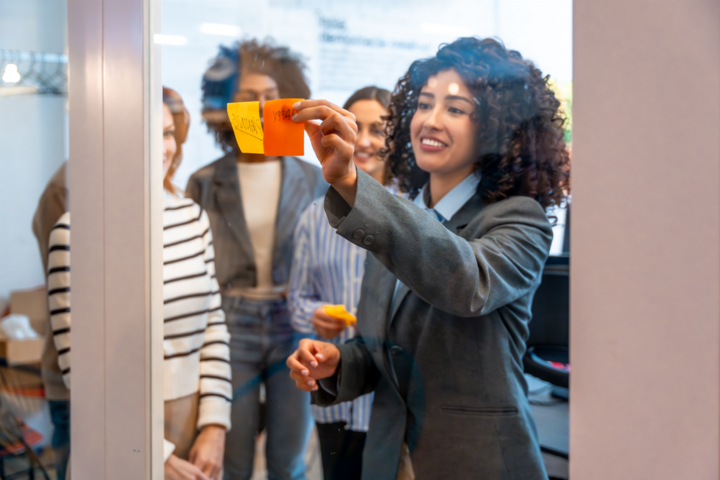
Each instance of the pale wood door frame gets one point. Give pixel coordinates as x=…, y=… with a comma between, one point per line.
x=645, y=270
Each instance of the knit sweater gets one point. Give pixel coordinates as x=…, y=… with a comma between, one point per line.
x=196, y=340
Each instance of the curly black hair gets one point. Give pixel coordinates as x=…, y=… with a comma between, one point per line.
x=221, y=81
x=520, y=132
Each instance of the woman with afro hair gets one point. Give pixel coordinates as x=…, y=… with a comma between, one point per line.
x=254, y=202
x=475, y=139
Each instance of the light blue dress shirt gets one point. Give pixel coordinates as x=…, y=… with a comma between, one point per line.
x=453, y=201
x=327, y=269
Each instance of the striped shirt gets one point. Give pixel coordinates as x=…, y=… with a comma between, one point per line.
x=327, y=269
x=196, y=339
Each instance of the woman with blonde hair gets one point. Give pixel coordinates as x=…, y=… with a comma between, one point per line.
x=197, y=387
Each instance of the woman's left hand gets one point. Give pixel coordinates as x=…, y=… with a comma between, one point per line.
x=333, y=141
x=208, y=450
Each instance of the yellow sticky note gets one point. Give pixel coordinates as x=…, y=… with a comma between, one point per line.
x=339, y=312
x=246, y=124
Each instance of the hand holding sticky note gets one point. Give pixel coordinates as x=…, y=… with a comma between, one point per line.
x=338, y=312
x=282, y=135
x=276, y=135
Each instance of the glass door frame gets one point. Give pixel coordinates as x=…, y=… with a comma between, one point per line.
x=115, y=103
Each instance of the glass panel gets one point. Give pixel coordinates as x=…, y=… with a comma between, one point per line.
x=34, y=143
x=483, y=126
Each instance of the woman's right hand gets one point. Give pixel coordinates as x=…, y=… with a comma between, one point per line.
x=325, y=325
x=333, y=141
x=178, y=469
x=312, y=361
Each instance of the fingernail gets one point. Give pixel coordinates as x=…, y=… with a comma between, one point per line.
x=294, y=117
x=305, y=373
x=315, y=388
x=314, y=364
x=310, y=382
x=296, y=105
x=320, y=357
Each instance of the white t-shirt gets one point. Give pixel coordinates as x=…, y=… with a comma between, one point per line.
x=260, y=194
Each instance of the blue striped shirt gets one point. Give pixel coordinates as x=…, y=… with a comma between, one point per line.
x=327, y=269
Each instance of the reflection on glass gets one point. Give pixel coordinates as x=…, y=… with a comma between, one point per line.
x=280, y=263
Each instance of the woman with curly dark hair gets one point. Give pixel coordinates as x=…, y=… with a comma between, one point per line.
x=254, y=203
x=475, y=136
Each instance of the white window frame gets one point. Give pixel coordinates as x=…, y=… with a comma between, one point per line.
x=115, y=103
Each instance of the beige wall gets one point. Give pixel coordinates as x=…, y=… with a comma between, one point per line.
x=645, y=273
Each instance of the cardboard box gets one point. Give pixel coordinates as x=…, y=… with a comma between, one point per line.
x=21, y=352
x=33, y=304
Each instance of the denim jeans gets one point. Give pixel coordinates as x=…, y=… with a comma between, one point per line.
x=60, y=416
x=261, y=339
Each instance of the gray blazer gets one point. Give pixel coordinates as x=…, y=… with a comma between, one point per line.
x=466, y=308
x=216, y=188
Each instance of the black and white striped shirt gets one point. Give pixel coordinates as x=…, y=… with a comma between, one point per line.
x=196, y=339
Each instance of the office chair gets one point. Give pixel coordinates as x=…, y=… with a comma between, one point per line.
x=547, y=356
x=548, y=344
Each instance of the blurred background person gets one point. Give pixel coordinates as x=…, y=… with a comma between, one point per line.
x=328, y=270
x=197, y=384
x=254, y=203
x=51, y=206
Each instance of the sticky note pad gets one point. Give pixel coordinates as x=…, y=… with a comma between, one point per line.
x=282, y=135
x=245, y=120
x=339, y=312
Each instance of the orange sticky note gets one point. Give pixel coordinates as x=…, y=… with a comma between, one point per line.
x=246, y=124
x=282, y=135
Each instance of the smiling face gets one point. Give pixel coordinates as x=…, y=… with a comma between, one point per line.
x=169, y=144
x=370, y=137
x=442, y=131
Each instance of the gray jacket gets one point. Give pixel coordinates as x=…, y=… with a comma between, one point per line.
x=464, y=411
x=216, y=189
